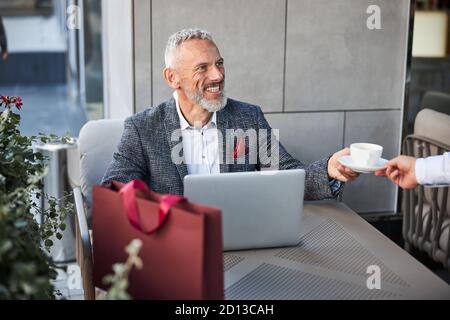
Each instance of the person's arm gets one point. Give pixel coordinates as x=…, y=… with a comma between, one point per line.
x=129, y=162
x=433, y=170
x=318, y=184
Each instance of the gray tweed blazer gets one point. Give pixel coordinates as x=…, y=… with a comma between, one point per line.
x=146, y=146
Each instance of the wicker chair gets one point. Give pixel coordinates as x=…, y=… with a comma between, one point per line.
x=426, y=220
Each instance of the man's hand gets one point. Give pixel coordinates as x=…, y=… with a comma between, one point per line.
x=4, y=55
x=338, y=171
x=401, y=171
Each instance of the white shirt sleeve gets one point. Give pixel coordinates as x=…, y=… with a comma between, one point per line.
x=433, y=170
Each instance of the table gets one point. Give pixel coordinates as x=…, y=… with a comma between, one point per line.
x=336, y=247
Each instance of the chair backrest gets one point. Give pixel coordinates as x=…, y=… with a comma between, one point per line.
x=97, y=142
x=426, y=209
x=435, y=126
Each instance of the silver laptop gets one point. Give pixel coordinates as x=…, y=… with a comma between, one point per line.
x=260, y=209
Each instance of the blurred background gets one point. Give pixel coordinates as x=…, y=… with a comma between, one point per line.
x=58, y=73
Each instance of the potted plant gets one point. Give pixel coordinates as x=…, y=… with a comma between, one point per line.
x=26, y=269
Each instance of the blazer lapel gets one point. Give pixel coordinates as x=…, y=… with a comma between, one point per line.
x=172, y=124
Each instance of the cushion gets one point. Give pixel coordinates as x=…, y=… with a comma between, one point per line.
x=97, y=142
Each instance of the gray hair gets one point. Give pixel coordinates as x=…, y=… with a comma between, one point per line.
x=176, y=39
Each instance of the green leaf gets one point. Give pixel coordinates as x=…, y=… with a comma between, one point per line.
x=25, y=244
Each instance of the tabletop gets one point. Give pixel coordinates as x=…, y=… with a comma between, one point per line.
x=339, y=256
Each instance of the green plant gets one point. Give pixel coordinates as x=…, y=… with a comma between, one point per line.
x=26, y=270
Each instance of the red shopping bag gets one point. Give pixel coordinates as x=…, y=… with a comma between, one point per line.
x=181, y=242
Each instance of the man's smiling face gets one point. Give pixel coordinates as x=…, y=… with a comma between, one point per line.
x=202, y=73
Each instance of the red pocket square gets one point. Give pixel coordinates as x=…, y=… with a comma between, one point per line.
x=240, y=149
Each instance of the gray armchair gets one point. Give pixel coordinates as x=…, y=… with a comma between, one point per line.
x=426, y=220
x=96, y=144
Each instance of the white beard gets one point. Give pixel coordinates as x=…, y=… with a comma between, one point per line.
x=208, y=105
x=213, y=106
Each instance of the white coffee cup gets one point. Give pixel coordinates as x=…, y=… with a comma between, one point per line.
x=365, y=154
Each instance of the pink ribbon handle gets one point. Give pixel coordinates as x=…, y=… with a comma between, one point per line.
x=128, y=193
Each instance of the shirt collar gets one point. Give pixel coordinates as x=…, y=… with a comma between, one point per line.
x=183, y=122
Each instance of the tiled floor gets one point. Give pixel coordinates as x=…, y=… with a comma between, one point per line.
x=47, y=109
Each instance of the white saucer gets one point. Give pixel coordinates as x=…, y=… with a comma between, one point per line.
x=347, y=161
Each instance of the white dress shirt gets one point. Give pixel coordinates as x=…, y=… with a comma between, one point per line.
x=200, y=145
x=433, y=170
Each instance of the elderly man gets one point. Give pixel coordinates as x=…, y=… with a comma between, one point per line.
x=189, y=134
